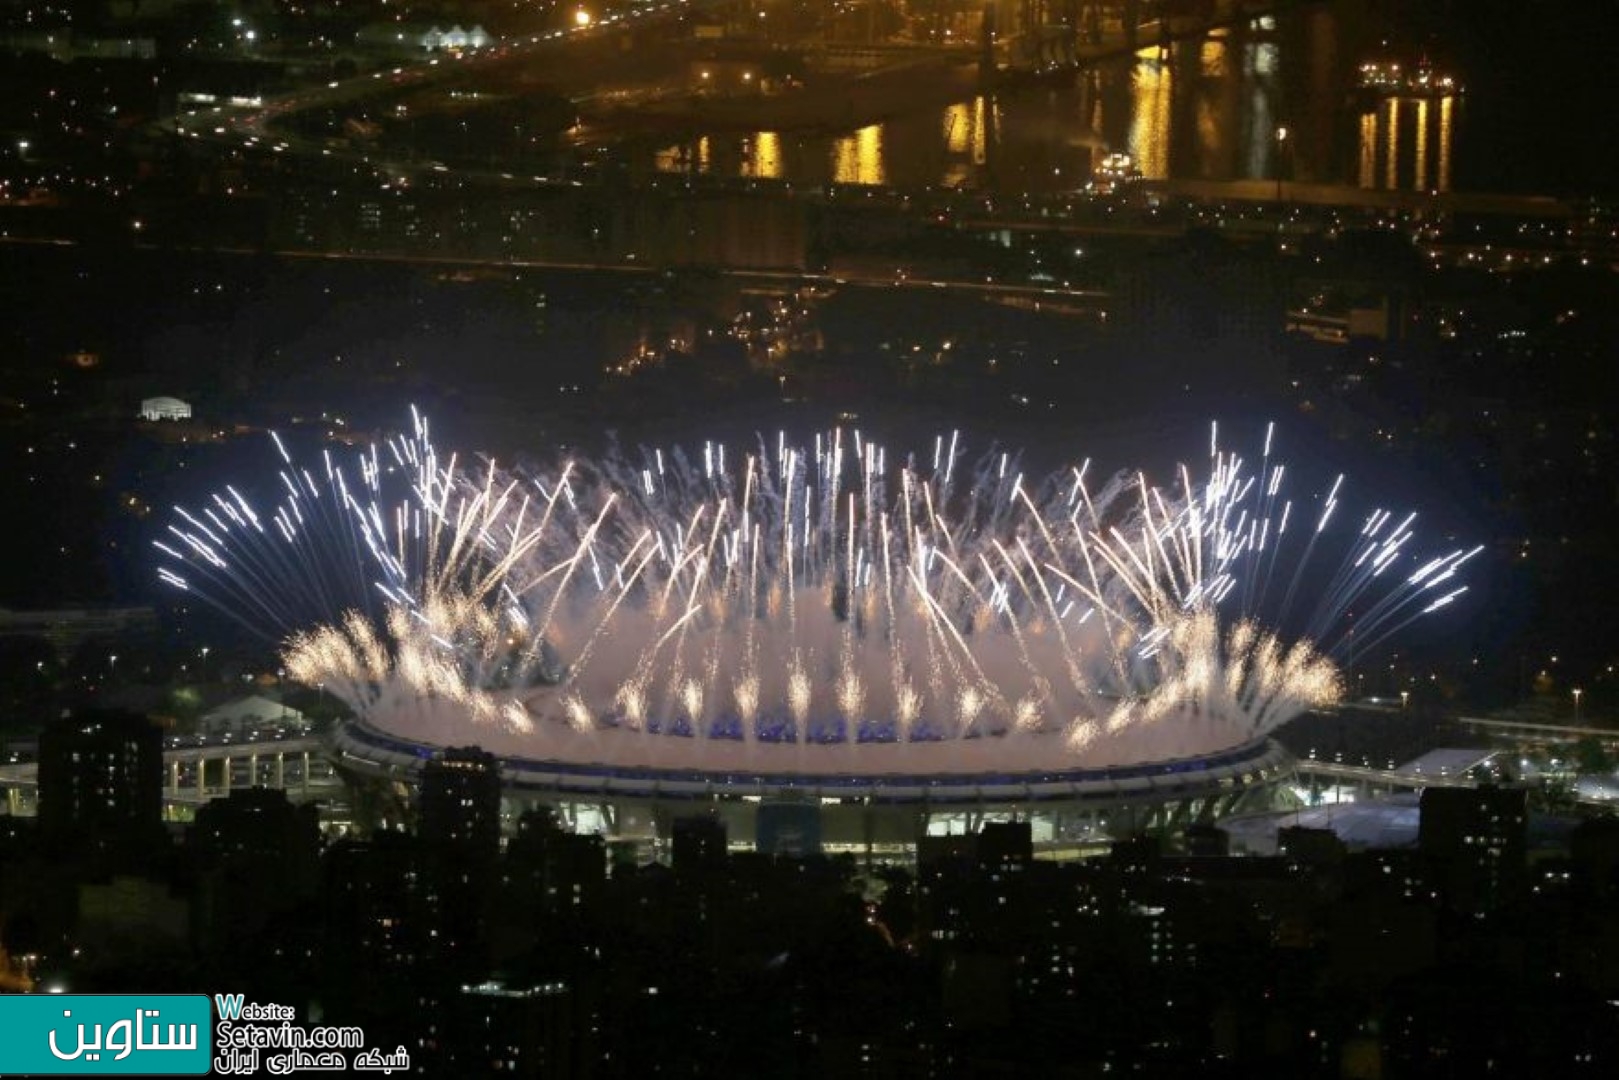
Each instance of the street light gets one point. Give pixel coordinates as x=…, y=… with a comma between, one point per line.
x=1281, y=145
x=1405, y=699
x=1577, y=693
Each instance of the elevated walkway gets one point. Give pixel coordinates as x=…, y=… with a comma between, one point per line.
x=194, y=774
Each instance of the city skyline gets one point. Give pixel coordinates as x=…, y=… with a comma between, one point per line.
x=822, y=635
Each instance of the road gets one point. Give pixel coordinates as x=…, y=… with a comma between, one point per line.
x=256, y=126
x=1055, y=294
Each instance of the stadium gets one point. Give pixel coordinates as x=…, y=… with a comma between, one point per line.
x=869, y=649
x=882, y=813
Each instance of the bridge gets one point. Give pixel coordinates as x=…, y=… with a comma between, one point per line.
x=1032, y=37
x=1369, y=781
x=1465, y=767
x=192, y=775
x=1518, y=732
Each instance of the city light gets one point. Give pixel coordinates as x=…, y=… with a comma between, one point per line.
x=823, y=635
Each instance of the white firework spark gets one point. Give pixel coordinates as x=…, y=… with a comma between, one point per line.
x=708, y=607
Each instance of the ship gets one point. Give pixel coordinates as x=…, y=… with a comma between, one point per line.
x=1390, y=78
x=1114, y=172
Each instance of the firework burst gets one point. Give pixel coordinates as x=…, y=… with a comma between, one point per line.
x=718, y=606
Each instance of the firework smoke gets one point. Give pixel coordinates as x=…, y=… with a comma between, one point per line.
x=721, y=608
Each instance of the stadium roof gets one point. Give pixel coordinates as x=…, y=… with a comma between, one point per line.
x=1391, y=822
x=1448, y=761
x=1379, y=823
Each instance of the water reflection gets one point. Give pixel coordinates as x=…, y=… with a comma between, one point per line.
x=967, y=127
x=1366, y=175
x=1411, y=138
x=858, y=158
x=1262, y=60
x=1419, y=158
x=1199, y=109
x=1391, y=142
x=1152, y=82
x=966, y=130
x=764, y=156
x=1447, y=107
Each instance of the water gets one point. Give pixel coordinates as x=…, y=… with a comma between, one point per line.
x=1209, y=109
x=1533, y=118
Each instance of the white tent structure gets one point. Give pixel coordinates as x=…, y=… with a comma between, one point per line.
x=165, y=408
x=250, y=714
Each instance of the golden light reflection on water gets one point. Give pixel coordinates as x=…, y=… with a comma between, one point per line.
x=1367, y=174
x=985, y=116
x=966, y=129
x=1222, y=109
x=1383, y=162
x=957, y=121
x=1151, y=84
x=669, y=159
x=1209, y=128
x=1209, y=112
x=684, y=157
x=1391, y=151
x=764, y=156
x=1419, y=157
x=858, y=158
x=1446, y=126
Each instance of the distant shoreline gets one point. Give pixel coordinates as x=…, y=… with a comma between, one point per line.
x=830, y=104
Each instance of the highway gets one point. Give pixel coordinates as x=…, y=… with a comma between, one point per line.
x=1021, y=294
x=251, y=126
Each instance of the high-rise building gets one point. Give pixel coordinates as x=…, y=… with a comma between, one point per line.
x=1476, y=842
x=525, y=1029
x=460, y=803
x=551, y=870
x=699, y=844
x=101, y=783
x=257, y=857
x=375, y=937
x=1594, y=853
x=460, y=842
x=258, y=823
x=370, y=893
x=1005, y=848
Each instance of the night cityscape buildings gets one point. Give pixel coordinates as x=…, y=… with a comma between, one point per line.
x=103, y=778
x=565, y=232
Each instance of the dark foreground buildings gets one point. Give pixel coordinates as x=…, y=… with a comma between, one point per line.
x=1462, y=956
x=101, y=784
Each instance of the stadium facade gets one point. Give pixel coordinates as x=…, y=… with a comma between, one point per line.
x=1069, y=810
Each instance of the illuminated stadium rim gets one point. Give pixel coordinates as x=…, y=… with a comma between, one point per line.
x=367, y=749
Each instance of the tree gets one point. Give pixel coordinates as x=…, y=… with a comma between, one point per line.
x=1590, y=756
x=29, y=672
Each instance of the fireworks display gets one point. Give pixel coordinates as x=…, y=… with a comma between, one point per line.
x=794, y=604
